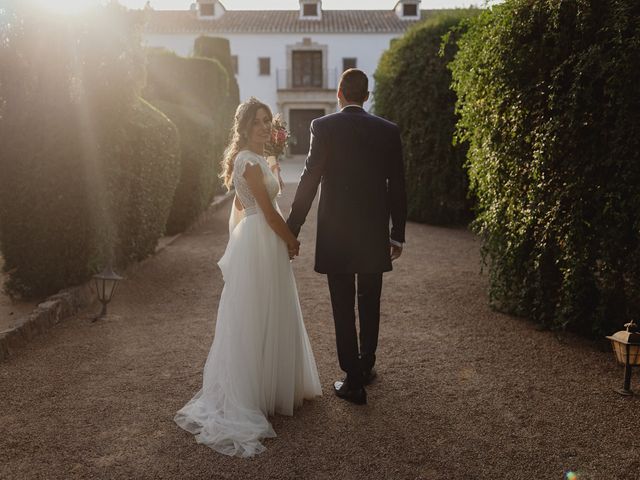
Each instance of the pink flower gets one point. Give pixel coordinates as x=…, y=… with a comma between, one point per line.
x=279, y=136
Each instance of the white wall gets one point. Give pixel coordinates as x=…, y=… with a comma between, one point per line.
x=366, y=47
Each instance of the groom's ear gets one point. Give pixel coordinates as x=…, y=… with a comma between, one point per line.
x=366, y=97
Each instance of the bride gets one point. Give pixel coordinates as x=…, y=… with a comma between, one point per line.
x=261, y=361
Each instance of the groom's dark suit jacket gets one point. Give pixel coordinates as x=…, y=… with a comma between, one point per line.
x=357, y=158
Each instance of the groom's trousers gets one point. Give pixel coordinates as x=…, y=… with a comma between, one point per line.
x=354, y=360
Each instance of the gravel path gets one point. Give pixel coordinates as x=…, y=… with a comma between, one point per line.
x=463, y=392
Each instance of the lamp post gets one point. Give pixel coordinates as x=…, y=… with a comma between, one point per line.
x=106, y=285
x=626, y=346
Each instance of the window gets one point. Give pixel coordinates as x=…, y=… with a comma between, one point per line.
x=310, y=10
x=264, y=65
x=348, y=63
x=410, y=10
x=234, y=63
x=307, y=69
x=207, y=9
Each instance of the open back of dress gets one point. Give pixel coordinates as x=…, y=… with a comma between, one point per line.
x=261, y=362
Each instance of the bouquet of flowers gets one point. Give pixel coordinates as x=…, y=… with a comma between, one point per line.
x=276, y=146
x=279, y=137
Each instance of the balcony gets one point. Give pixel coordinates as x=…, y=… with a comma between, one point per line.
x=301, y=80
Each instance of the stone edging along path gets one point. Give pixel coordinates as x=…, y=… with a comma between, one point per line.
x=70, y=301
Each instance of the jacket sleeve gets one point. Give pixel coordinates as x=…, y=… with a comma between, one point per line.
x=397, y=191
x=309, y=181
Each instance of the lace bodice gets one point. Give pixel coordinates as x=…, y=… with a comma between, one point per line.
x=244, y=158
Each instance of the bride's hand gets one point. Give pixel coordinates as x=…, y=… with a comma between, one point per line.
x=293, y=246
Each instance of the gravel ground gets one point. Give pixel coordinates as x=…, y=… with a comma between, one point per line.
x=462, y=392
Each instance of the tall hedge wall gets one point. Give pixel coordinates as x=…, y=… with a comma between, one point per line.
x=196, y=83
x=193, y=93
x=199, y=154
x=217, y=48
x=78, y=150
x=413, y=90
x=550, y=109
x=148, y=163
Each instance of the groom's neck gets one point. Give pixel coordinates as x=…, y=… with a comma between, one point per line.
x=351, y=104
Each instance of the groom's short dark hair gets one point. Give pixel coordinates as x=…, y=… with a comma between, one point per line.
x=354, y=85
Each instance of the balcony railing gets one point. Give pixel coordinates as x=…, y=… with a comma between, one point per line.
x=288, y=79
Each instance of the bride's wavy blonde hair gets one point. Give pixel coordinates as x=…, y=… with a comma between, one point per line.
x=239, y=135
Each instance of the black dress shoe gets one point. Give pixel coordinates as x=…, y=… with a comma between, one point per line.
x=368, y=376
x=357, y=395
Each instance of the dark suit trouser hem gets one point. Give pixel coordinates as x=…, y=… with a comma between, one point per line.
x=342, y=287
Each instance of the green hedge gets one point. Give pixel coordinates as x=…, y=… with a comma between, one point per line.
x=87, y=170
x=413, y=90
x=215, y=48
x=193, y=93
x=196, y=83
x=218, y=49
x=549, y=105
x=149, y=165
x=198, y=165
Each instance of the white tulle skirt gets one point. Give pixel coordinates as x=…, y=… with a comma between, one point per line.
x=261, y=362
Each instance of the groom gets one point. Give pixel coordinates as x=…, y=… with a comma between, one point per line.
x=357, y=157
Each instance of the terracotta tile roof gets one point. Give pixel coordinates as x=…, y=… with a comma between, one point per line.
x=280, y=21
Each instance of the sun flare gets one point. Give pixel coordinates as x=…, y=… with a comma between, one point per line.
x=66, y=7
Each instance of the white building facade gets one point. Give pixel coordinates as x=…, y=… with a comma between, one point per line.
x=291, y=60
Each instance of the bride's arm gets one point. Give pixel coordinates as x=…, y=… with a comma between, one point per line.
x=254, y=176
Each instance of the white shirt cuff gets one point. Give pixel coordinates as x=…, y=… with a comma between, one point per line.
x=396, y=243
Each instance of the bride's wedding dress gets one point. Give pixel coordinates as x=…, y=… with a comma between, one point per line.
x=261, y=361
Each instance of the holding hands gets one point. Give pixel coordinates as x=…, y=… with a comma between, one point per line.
x=294, y=248
x=396, y=251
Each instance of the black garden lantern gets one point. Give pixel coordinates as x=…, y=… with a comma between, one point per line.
x=626, y=346
x=106, y=285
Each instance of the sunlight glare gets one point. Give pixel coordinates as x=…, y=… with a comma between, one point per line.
x=66, y=7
